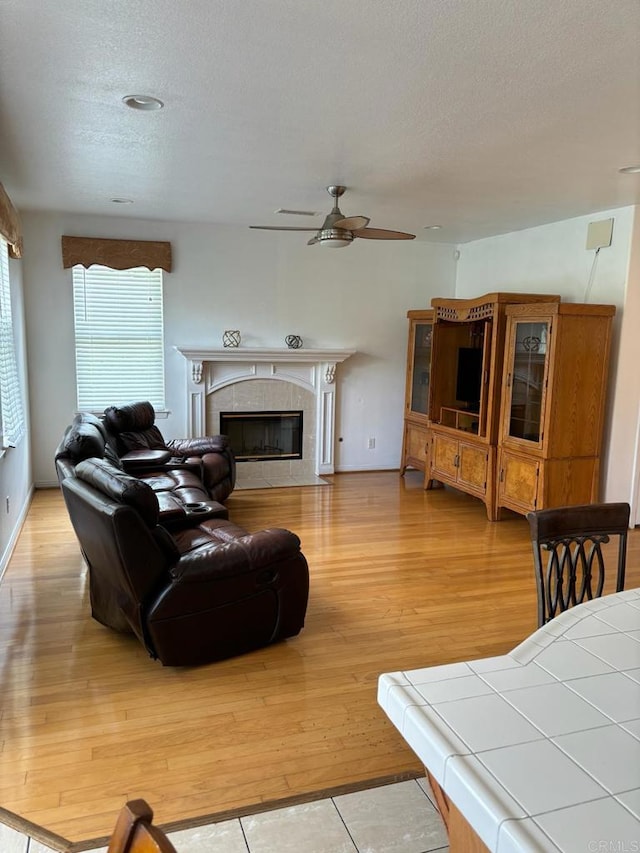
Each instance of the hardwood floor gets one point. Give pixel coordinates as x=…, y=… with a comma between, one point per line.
x=400, y=578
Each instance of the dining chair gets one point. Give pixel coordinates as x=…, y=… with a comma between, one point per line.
x=568, y=553
x=135, y=833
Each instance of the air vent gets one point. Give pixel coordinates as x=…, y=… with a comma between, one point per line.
x=296, y=212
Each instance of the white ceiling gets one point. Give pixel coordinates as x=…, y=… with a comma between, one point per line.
x=482, y=116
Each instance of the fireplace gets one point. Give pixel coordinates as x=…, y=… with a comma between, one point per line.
x=263, y=436
x=246, y=379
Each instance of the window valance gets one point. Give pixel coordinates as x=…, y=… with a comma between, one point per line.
x=116, y=254
x=10, y=225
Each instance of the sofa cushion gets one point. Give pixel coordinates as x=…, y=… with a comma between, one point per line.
x=130, y=417
x=120, y=487
x=134, y=428
x=94, y=420
x=85, y=438
x=82, y=441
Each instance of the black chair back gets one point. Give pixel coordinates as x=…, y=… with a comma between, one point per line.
x=568, y=553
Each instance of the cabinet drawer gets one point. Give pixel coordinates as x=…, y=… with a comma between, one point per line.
x=518, y=482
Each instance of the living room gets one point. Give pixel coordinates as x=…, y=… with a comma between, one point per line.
x=270, y=285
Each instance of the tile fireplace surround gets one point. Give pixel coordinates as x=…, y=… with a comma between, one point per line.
x=210, y=370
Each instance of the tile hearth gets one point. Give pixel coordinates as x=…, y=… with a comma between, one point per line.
x=267, y=482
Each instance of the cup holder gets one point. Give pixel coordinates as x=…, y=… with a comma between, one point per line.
x=200, y=506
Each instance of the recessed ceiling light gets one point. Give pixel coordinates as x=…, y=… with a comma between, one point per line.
x=629, y=170
x=122, y=200
x=142, y=102
x=432, y=227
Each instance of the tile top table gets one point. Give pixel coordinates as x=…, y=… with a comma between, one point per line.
x=539, y=750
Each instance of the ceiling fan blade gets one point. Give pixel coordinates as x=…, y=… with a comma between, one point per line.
x=281, y=228
x=312, y=241
x=352, y=223
x=382, y=234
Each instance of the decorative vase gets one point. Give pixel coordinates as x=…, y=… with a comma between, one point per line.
x=231, y=338
x=293, y=341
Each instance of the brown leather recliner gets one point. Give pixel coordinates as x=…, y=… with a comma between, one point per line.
x=178, y=487
x=140, y=444
x=198, y=595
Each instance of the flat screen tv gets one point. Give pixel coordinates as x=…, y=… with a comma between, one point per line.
x=469, y=377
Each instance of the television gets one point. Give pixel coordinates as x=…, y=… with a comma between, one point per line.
x=469, y=377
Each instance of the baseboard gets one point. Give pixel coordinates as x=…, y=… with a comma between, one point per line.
x=11, y=544
x=370, y=469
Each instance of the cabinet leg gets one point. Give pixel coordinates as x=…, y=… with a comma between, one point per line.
x=493, y=513
x=432, y=483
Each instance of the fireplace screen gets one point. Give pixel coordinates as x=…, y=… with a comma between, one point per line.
x=263, y=435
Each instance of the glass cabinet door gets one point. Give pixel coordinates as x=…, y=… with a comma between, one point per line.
x=421, y=368
x=528, y=355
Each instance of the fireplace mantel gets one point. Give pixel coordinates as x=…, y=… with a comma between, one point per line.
x=264, y=354
x=213, y=368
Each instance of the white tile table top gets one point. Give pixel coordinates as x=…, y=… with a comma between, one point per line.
x=539, y=749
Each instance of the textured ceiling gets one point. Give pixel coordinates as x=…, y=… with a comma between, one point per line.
x=482, y=116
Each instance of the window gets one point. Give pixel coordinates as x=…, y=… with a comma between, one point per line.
x=119, y=336
x=11, y=407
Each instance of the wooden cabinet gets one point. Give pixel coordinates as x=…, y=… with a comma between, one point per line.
x=415, y=447
x=553, y=405
x=505, y=398
x=415, y=444
x=461, y=463
x=465, y=391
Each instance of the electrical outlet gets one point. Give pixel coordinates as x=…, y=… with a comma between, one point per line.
x=372, y=443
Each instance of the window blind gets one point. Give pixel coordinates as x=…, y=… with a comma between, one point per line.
x=11, y=406
x=119, y=336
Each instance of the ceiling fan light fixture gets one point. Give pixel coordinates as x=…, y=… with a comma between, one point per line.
x=335, y=238
x=338, y=230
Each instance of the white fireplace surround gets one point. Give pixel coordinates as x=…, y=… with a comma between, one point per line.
x=209, y=369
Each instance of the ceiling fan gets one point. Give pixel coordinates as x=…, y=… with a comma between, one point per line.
x=338, y=230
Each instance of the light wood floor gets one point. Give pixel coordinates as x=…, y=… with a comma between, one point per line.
x=400, y=578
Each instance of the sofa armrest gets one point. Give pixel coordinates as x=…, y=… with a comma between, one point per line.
x=136, y=460
x=199, y=446
x=245, y=554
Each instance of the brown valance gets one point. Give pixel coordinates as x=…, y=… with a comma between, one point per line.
x=10, y=225
x=117, y=254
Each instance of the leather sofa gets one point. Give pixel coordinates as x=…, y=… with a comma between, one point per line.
x=197, y=594
x=176, y=476
x=140, y=445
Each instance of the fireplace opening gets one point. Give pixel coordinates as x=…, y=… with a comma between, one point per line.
x=263, y=436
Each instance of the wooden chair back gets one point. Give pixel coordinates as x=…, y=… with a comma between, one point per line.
x=135, y=833
x=568, y=556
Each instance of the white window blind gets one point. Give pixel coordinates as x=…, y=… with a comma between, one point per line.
x=119, y=336
x=11, y=406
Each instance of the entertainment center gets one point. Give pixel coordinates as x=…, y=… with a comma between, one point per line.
x=505, y=398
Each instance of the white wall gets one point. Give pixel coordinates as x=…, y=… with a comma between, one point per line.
x=265, y=284
x=624, y=456
x=553, y=259
x=15, y=465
